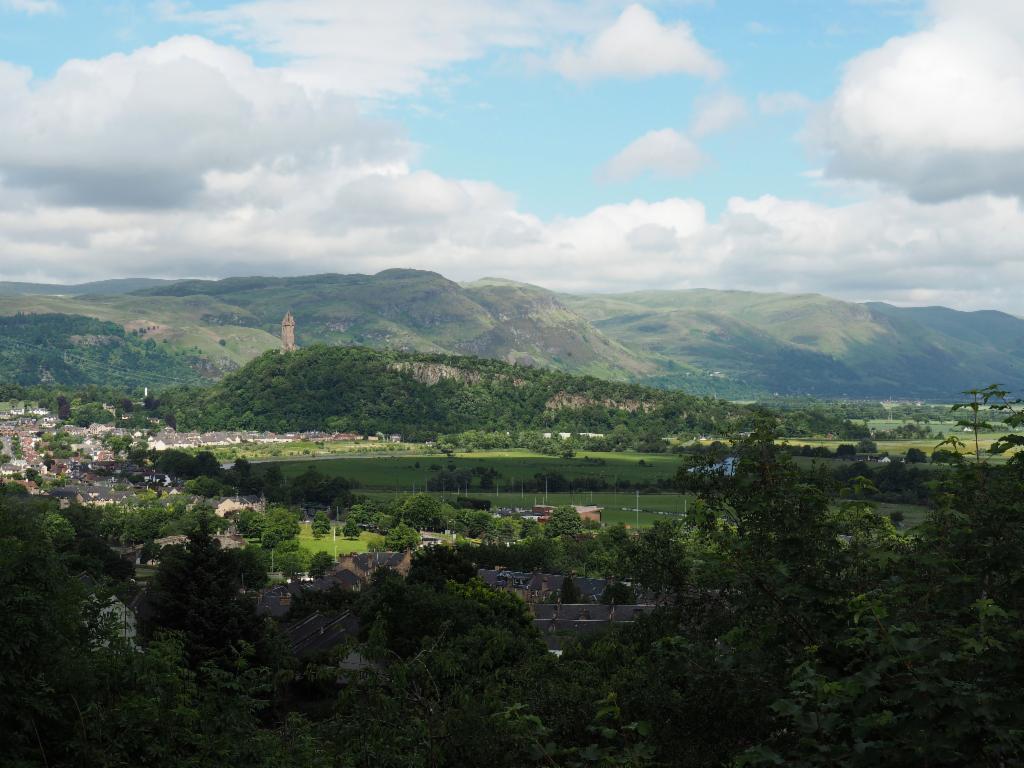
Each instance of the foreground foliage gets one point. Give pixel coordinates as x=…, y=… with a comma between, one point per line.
x=792, y=631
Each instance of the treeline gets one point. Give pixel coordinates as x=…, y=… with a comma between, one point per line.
x=204, y=476
x=423, y=396
x=72, y=350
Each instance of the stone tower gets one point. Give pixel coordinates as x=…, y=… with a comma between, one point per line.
x=288, y=333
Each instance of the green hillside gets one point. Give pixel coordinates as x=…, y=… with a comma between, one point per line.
x=411, y=310
x=74, y=350
x=811, y=344
x=202, y=327
x=421, y=396
x=731, y=344
x=97, y=288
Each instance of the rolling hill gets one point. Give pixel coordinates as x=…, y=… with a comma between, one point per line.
x=728, y=343
x=73, y=350
x=812, y=344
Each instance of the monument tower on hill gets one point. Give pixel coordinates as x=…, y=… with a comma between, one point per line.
x=288, y=333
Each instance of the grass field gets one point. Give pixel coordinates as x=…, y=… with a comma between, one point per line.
x=387, y=476
x=618, y=508
x=410, y=473
x=913, y=515
x=305, y=449
x=339, y=545
x=897, y=448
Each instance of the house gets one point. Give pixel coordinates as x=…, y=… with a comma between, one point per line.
x=113, y=613
x=90, y=495
x=559, y=622
x=364, y=564
x=339, y=579
x=277, y=601
x=230, y=540
x=541, y=587
x=319, y=633
x=234, y=504
x=589, y=512
x=542, y=512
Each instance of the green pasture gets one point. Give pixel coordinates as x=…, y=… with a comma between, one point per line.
x=307, y=449
x=913, y=515
x=618, y=508
x=896, y=448
x=339, y=545
x=410, y=473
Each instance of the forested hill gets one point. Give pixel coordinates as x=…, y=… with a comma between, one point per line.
x=421, y=396
x=74, y=351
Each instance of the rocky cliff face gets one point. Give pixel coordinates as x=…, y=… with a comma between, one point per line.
x=575, y=402
x=434, y=373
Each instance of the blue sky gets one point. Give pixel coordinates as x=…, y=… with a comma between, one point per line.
x=583, y=144
x=534, y=133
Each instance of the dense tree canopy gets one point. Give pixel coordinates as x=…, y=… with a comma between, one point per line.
x=793, y=627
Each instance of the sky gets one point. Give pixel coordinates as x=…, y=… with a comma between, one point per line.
x=864, y=149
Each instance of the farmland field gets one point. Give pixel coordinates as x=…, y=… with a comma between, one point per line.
x=618, y=508
x=410, y=473
x=307, y=449
x=384, y=477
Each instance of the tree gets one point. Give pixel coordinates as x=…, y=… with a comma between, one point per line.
x=439, y=565
x=401, y=537
x=45, y=641
x=279, y=525
x=195, y=592
x=350, y=529
x=321, y=525
x=530, y=529
x=569, y=593
x=291, y=559
x=916, y=456
x=250, y=522
x=252, y=564
x=208, y=487
x=58, y=530
x=867, y=446
x=564, y=521
x=846, y=449
x=320, y=563
x=423, y=511
x=617, y=593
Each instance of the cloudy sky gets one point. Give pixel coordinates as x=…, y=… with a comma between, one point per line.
x=866, y=149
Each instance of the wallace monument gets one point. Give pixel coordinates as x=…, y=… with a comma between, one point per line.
x=288, y=333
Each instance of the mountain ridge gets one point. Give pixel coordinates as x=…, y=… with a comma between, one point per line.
x=728, y=343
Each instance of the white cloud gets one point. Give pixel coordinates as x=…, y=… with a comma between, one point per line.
x=383, y=47
x=32, y=7
x=638, y=45
x=938, y=113
x=154, y=127
x=257, y=174
x=663, y=153
x=963, y=253
x=717, y=113
x=781, y=102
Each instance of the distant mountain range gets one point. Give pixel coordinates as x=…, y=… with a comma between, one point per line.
x=730, y=343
